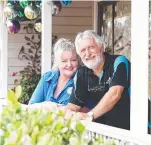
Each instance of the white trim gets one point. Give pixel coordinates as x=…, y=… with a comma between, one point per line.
x=4, y=54
x=46, y=37
x=117, y=133
x=139, y=58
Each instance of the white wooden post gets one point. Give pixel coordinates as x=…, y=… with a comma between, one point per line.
x=46, y=37
x=4, y=55
x=139, y=59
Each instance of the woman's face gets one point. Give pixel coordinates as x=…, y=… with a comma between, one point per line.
x=68, y=63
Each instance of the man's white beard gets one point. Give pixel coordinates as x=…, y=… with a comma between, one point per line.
x=92, y=64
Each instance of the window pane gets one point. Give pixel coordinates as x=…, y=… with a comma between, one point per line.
x=107, y=27
x=122, y=29
x=120, y=13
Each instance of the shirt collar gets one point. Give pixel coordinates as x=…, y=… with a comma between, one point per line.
x=69, y=83
x=107, y=60
x=54, y=73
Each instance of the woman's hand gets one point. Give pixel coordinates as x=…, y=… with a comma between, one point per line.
x=81, y=115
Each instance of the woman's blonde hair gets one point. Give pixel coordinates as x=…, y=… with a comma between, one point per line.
x=60, y=46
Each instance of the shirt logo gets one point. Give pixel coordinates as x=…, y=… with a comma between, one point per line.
x=96, y=88
x=69, y=90
x=101, y=86
x=109, y=80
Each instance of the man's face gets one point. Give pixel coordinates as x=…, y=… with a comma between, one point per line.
x=90, y=53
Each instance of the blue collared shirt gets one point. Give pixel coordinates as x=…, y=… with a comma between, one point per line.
x=46, y=88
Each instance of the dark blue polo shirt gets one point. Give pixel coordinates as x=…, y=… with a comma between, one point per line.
x=89, y=89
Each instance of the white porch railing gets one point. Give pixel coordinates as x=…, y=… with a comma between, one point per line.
x=139, y=97
x=120, y=136
x=107, y=133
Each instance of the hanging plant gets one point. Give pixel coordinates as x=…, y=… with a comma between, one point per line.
x=31, y=74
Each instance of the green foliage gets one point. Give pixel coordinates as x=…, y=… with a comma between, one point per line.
x=80, y=128
x=30, y=76
x=37, y=126
x=26, y=125
x=28, y=82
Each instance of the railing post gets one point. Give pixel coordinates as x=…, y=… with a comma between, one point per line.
x=4, y=54
x=139, y=59
x=46, y=37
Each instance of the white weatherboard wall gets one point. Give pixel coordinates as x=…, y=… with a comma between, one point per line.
x=72, y=19
x=15, y=42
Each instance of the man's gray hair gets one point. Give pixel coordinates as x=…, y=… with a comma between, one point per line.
x=86, y=35
x=62, y=45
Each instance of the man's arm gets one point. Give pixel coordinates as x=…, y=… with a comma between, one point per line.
x=120, y=81
x=108, y=101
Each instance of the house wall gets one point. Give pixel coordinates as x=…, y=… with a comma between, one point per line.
x=72, y=19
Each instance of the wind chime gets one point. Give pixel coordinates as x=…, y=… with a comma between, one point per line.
x=26, y=10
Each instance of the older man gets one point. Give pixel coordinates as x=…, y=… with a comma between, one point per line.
x=102, y=84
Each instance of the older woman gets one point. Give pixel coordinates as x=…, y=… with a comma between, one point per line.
x=57, y=84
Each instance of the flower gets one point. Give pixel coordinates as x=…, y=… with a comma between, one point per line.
x=14, y=74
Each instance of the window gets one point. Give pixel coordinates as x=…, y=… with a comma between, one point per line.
x=114, y=26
